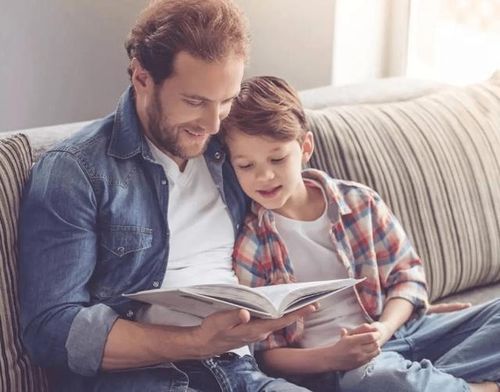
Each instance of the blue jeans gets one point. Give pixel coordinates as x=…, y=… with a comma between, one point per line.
x=437, y=352
x=225, y=373
x=230, y=373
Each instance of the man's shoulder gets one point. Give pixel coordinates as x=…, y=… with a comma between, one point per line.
x=91, y=137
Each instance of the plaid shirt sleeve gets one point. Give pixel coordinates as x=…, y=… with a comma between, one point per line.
x=400, y=270
x=255, y=262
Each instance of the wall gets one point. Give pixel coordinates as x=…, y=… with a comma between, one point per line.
x=292, y=39
x=62, y=60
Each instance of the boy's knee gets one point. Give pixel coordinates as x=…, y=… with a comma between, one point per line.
x=378, y=376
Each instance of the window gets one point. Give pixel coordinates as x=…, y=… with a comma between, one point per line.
x=455, y=41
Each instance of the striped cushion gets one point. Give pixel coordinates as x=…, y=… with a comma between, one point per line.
x=16, y=371
x=436, y=162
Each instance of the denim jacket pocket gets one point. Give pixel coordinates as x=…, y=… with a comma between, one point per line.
x=122, y=240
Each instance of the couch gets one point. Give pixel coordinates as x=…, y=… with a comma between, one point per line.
x=431, y=150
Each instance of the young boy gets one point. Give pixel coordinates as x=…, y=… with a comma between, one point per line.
x=306, y=226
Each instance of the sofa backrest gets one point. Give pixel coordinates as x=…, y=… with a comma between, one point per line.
x=436, y=161
x=16, y=371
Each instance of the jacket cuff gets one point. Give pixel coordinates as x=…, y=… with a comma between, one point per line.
x=87, y=337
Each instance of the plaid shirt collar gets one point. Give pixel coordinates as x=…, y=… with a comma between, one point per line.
x=337, y=206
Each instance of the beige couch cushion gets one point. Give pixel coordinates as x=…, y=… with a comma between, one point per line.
x=436, y=161
x=16, y=371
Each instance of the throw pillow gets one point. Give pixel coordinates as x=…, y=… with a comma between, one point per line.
x=16, y=371
x=436, y=161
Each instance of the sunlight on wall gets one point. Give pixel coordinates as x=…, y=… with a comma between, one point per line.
x=455, y=41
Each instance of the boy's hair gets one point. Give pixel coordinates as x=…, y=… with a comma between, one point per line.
x=267, y=106
x=207, y=29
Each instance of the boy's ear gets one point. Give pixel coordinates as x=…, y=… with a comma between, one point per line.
x=307, y=147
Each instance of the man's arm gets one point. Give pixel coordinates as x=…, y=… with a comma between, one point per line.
x=58, y=253
x=132, y=344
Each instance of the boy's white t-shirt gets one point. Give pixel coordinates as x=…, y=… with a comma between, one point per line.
x=201, y=236
x=312, y=256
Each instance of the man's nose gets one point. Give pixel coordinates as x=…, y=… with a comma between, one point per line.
x=211, y=119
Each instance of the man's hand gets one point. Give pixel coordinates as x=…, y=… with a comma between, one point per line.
x=224, y=331
x=355, y=348
x=448, y=307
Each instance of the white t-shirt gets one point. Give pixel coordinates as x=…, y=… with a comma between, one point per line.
x=312, y=256
x=201, y=236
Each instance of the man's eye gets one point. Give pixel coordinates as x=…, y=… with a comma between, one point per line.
x=193, y=103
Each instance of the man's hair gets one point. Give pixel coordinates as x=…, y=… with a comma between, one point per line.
x=207, y=29
x=267, y=106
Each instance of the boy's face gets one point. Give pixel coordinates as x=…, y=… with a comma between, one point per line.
x=269, y=170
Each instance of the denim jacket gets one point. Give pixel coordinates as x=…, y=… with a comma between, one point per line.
x=92, y=227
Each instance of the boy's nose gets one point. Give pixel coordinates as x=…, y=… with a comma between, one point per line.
x=265, y=174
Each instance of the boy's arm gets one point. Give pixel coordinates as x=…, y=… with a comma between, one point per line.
x=401, y=272
x=353, y=349
x=397, y=311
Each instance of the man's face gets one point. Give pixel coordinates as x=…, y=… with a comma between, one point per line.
x=180, y=114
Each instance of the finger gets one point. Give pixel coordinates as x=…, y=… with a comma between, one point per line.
x=290, y=318
x=364, y=338
x=343, y=332
x=230, y=318
x=363, y=328
x=448, y=307
x=371, y=348
x=302, y=312
x=244, y=316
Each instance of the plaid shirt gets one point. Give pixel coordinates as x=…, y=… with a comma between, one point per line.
x=367, y=239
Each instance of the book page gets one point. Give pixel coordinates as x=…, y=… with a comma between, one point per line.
x=284, y=295
x=263, y=302
x=248, y=297
x=197, y=304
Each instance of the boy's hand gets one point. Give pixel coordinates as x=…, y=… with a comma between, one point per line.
x=225, y=331
x=355, y=348
x=385, y=332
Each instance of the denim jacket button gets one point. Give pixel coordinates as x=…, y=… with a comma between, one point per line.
x=218, y=155
x=130, y=314
x=164, y=182
x=156, y=284
x=120, y=250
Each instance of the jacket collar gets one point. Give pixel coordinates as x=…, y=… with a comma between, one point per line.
x=126, y=137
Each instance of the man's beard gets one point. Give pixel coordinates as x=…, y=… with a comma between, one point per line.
x=165, y=136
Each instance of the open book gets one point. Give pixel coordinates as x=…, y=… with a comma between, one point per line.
x=263, y=302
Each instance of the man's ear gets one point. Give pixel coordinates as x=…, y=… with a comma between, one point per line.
x=307, y=147
x=141, y=79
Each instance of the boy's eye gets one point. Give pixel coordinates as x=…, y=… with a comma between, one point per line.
x=278, y=160
x=244, y=166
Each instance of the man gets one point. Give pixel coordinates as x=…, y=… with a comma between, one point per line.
x=144, y=199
